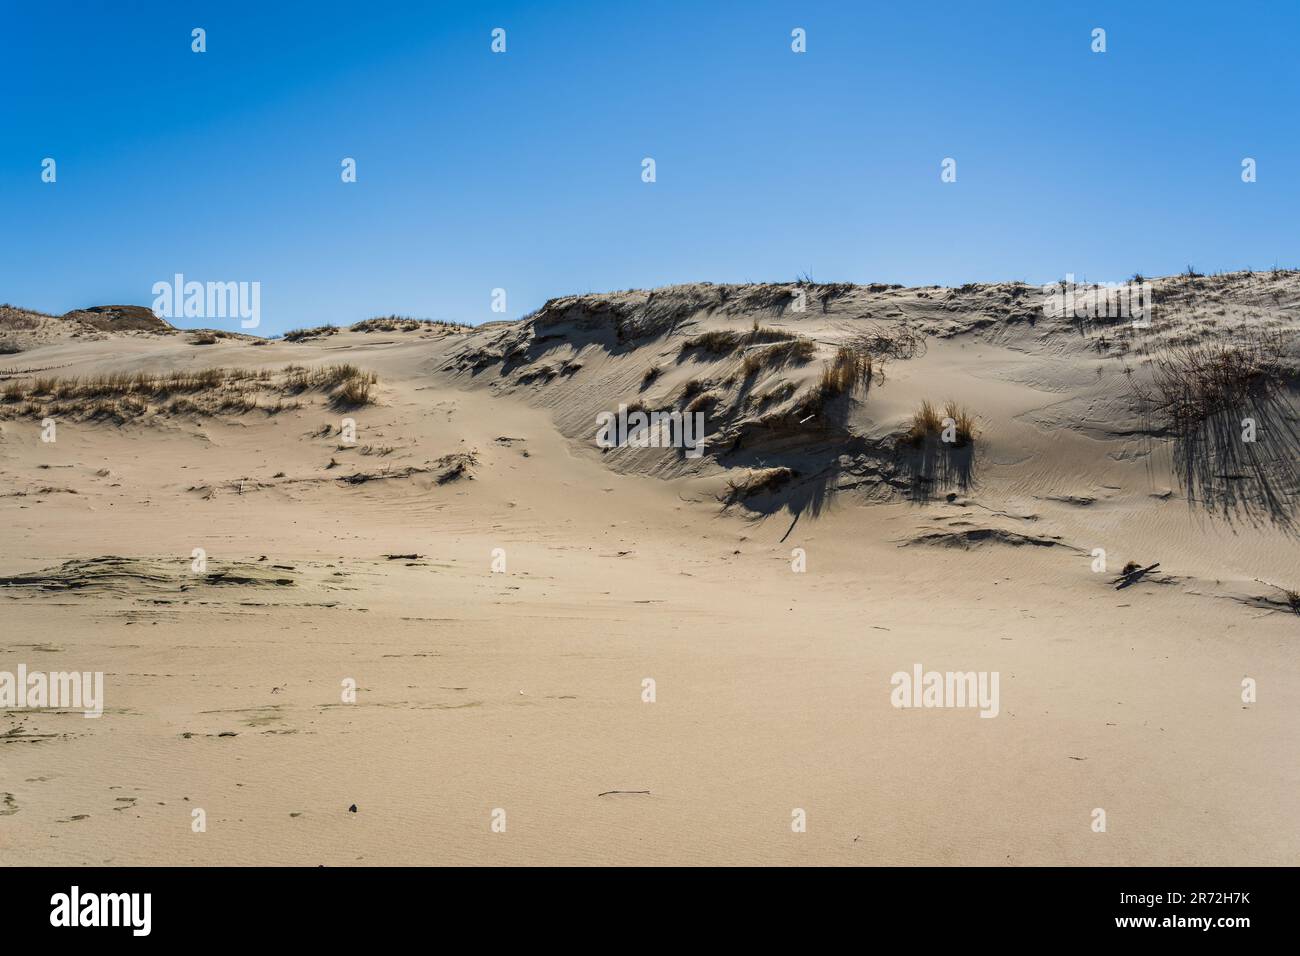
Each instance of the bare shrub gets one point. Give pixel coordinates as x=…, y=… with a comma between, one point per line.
x=1194, y=381
x=899, y=341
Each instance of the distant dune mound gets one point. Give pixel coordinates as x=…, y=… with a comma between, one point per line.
x=119, y=318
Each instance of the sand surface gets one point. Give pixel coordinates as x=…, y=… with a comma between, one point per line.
x=522, y=690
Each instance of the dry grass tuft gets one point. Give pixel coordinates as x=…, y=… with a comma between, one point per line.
x=849, y=368
x=702, y=401
x=759, y=481
x=719, y=342
x=928, y=423
x=694, y=387
x=354, y=392
x=302, y=335
x=405, y=323
x=726, y=341
x=792, y=351
x=964, y=421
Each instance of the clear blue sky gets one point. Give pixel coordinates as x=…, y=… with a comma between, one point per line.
x=523, y=170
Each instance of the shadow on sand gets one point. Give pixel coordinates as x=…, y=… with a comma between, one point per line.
x=935, y=466
x=1253, y=481
x=828, y=460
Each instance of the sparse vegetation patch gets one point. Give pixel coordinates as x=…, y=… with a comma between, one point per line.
x=123, y=396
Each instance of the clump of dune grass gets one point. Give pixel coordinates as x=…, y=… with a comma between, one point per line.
x=650, y=374
x=302, y=335
x=759, y=334
x=840, y=376
x=405, y=323
x=299, y=378
x=717, y=342
x=849, y=368
x=702, y=401
x=964, y=421
x=692, y=388
x=1195, y=381
x=354, y=391
x=925, y=423
x=759, y=481
x=331, y=376
x=727, y=341
x=203, y=338
x=779, y=392
x=929, y=423
x=792, y=351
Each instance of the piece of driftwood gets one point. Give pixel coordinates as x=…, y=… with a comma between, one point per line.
x=1132, y=577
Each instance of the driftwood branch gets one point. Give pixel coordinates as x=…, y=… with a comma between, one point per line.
x=1133, y=577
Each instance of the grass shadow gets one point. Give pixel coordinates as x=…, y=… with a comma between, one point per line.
x=1255, y=481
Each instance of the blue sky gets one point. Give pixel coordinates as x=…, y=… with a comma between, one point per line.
x=523, y=170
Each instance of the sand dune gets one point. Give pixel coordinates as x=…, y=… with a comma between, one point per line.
x=498, y=587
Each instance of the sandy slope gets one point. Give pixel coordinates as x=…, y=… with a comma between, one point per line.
x=522, y=690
